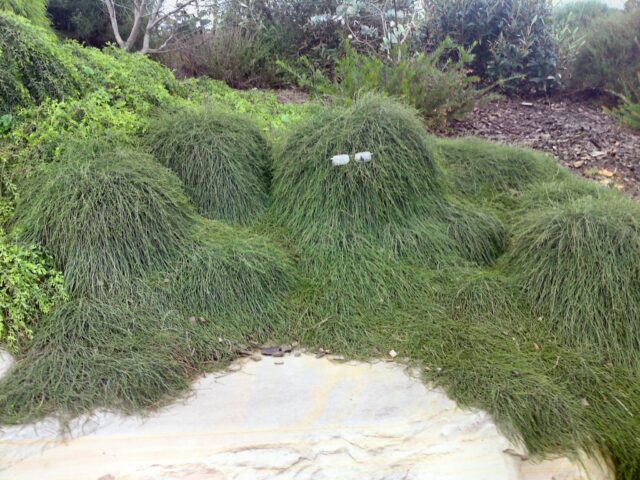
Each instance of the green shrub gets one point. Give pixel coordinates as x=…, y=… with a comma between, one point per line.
x=629, y=114
x=440, y=89
x=510, y=38
x=230, y=277
x=313, y=198
x=576, y=261
x=134, y=81
x=221, y=158
x=272, y=115
x=121, y=91
x=34, y=10
x=91, y=353
x=610, y=57
x=395, y=200
x=29, y=288
x=40, y=131
x=484, y=171
x=33, y=66
x=107, y=214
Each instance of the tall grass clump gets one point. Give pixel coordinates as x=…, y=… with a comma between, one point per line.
x=92, y=353
x=313, y=199
x=560, y=191
x=396, y=201
x=233, y=278
x=578, y=264
x=221, y=157
x=485, y=172
x=106, y=215
x=124, y=353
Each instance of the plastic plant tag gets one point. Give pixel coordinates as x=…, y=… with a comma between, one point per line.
x=363, y=157
x=339, y=160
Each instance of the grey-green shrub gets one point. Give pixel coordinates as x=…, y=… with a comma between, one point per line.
x=510, y=38
x=439, y=87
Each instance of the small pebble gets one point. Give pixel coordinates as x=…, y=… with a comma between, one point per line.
x=337, y=358
x=270, y=350
x=278, y=354
x=256, y=357
x=296, y=354
x=319, y=354
x=279, y=363
x=393, y=354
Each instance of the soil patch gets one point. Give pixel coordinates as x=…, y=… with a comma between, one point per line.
x=581, y=136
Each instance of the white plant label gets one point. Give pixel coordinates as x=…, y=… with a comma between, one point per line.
x=363, y=156
x=339, y=160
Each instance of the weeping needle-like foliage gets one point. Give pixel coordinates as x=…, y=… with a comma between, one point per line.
x=106, y=218
x=396, y=201
x=221, y=157
x=578, y=262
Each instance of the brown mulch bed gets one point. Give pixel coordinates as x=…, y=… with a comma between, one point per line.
x=581, y=136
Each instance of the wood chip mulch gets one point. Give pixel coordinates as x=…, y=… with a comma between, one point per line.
x=583, y=137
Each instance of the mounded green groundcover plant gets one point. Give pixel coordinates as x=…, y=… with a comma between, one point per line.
x=509, y=282
x=221, y=157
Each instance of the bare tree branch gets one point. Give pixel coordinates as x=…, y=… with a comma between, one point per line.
x=180, y=8
x=111, y=10
x=148, y=15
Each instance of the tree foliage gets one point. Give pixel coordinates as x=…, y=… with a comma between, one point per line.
x=83, y=20
x=510, y=38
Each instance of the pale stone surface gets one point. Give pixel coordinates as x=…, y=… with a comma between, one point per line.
x=306, y=419
x=6, y=362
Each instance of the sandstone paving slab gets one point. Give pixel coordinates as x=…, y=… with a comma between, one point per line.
x=287, y=418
